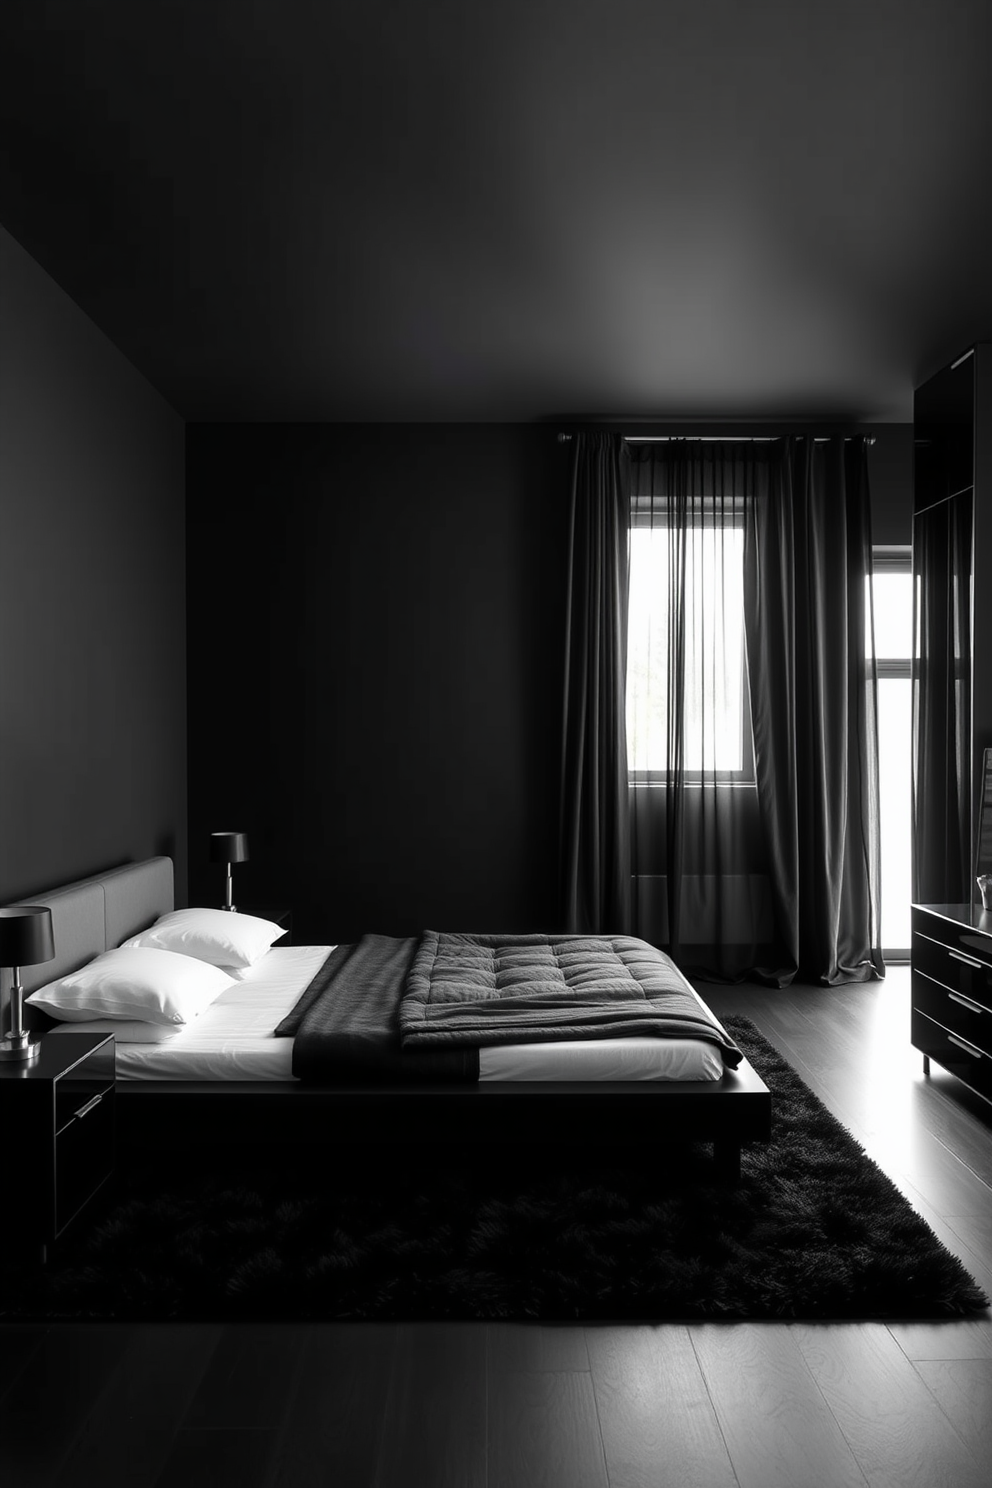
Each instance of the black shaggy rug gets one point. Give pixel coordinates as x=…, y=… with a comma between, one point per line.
x=814, y=1230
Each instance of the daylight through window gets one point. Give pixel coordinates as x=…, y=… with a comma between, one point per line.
x=892, y=584
x=705, y=564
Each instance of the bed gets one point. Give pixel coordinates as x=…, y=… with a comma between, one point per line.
x=226, y=1077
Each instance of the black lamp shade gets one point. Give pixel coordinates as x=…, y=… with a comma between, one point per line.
x=228, y=847
x=26, y=935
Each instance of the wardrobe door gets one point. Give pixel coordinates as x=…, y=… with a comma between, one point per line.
x=942, y=745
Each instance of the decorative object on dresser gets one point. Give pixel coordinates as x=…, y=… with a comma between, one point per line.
x=228, y=848
x=983, y=849
x=62, y=1108
x=25, y=940
x=952, y=991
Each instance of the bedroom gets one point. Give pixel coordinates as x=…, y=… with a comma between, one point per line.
x=253, y=632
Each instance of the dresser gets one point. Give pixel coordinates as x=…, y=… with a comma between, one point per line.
x=952, y=991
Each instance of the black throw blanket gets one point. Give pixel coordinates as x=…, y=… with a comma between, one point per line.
x=346, y=1025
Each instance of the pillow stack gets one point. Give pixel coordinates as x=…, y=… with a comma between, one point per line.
x=168, y=974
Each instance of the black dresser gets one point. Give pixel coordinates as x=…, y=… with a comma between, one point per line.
x=952, y=991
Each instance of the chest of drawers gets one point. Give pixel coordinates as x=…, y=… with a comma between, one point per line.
x=952, y=991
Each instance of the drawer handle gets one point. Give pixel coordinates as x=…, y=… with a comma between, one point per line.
x=968, y=960
x=83, y=1110
x=963, y=1044
x=973, y=1007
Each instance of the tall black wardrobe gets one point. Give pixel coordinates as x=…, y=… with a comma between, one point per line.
x=952, y=574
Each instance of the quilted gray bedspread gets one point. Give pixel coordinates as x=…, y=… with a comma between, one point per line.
x=516, y=989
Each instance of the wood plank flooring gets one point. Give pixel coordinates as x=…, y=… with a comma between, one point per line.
x=509, y=1406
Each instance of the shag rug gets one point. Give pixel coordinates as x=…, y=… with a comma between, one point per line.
x=813, y=1230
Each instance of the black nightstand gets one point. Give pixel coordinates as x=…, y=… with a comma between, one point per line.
x=59, y=1116
x=278, y=915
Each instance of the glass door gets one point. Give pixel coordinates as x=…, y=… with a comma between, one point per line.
x=892, y=594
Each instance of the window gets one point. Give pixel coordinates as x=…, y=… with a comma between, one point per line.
x=705, y=563
x=892, y=586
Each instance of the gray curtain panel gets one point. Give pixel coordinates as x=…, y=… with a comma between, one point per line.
x=814, y=709
x=595, y=828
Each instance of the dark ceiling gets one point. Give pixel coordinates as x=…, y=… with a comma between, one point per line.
x=530, y=209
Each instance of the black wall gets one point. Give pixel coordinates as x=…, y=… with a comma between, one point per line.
x=375, y=671
x=375, y=664
x=890, y=476
x=92, y=598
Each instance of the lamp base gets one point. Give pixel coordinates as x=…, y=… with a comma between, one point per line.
x=22, y=1050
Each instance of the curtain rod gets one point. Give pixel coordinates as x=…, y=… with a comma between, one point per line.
x=722, y=438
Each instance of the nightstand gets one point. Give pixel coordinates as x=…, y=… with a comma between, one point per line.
x=278, y=915
x=58, y=1114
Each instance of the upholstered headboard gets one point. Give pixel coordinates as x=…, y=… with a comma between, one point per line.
x=96, y=914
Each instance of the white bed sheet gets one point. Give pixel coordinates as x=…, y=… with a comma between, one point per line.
x=233, y=1040
x=604, y=1059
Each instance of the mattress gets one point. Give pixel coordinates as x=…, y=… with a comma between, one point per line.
x=233, y=1040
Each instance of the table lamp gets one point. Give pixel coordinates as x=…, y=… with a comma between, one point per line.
x=228, y=847
x=25, y=940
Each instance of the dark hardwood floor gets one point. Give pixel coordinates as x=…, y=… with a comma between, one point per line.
x=507, y=1406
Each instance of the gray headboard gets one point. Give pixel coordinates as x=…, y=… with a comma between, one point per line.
x=95, y=914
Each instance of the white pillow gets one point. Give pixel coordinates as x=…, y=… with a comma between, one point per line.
x=151, y=986
x=221, y=936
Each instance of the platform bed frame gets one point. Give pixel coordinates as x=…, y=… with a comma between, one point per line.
x=96, y=914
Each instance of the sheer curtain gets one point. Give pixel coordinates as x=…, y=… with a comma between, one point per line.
x=699, y=863
x=750, y=711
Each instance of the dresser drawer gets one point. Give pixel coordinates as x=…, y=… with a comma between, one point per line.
x=960, y=970
x=953, y=1052
x=958, y=926
x=960, y=934
x=953, y=1010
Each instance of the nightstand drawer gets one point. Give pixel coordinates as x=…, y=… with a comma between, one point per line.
x=78, y=1086
x=953, y=1052
x=954, y=1010
x=84, y=1155
x=960, y=970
